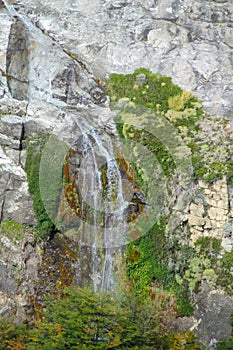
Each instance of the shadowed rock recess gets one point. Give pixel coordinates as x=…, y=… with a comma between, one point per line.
x=116, y=159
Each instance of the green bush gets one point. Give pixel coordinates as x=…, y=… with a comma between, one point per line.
x=148, y=261
x=82, y=319
x=184, y=111
x=153, y=94
x=225, y=272
x=12, y=335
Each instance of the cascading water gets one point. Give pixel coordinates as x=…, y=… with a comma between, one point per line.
x=103, y=197
x=13, y=13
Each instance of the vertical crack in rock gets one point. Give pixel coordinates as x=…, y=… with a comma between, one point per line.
x=2, y=208
x=21, y=138
x=3, y=200
x=17, y=61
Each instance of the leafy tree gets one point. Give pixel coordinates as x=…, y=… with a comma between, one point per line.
x=82, y=319
x=86, y=320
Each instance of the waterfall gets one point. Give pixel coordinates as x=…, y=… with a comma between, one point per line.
x=114, y=206
x=14, y=14
x=106, y=199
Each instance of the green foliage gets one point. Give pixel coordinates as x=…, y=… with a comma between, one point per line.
x=208, y=246
x=158, y=149
x=225, y=272
x=159, y=95
x=12, y=335
x=148, y=260
x=184, y=341
x=185, y=112
x=229, y=172
x=153, y=94
x=85, y=320
x=184, y=305
x=225, y=344
x=202, y=264
x=13, y=230
x=82, y=319
x=140, y=177
x=34, y=152
x=211, y=157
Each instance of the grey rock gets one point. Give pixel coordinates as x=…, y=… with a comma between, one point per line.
x=227, y=230
x=189, y=41
x=213, y=310
x=141, y=79
x=11, y=106
x=11, y=131
x=15, y=201
x=17, y=61
x=19, y=264
x=7, y=280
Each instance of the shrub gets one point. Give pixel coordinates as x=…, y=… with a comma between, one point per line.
x=86, y=320
x=12, y=335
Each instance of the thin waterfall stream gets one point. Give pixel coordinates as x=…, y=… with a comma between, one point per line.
x=102, y=205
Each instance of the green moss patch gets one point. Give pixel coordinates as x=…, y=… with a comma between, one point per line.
x=12, y=230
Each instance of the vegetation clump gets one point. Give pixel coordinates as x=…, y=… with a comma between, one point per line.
x=151, y=262
x=154, y=93
x=82, y=319
x=211, y=157
x=12, y=230
x=224, y=270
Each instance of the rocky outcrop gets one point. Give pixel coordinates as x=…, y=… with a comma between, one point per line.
x=214, y=217
x=212, y=313
x=39, y=79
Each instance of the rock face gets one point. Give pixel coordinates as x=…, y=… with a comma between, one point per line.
x=210, y=319
x=53, y=55
x=214, y=217
x=190, y=41
x=15, y=201
x=19, y=265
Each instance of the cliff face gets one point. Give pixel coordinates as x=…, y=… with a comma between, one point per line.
x=191, y=41
x=54, y=59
